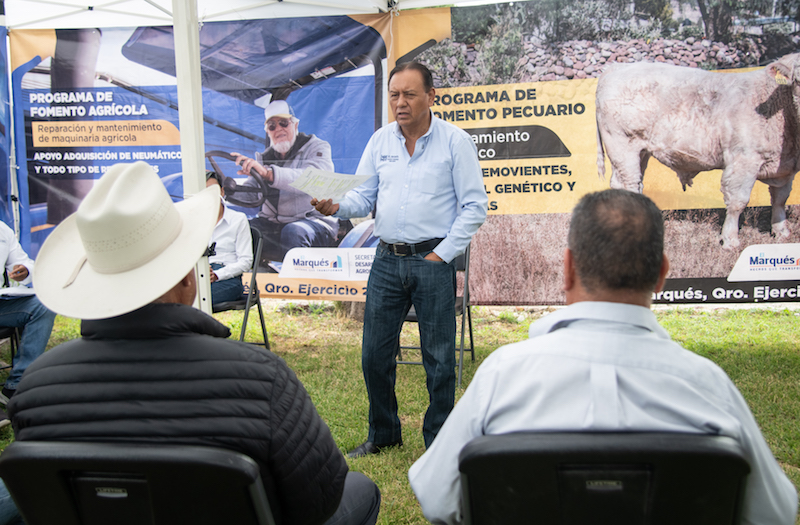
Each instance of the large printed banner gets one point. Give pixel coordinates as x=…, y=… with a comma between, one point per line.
x=337, y=274
x=525, y=87
x=86, y=99
x=531, y=141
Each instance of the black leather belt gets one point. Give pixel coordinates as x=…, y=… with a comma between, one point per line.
x=403, y=249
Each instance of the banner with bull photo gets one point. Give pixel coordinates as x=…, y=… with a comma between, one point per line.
x=714, y=129
x=522, y=80
x=562, y=99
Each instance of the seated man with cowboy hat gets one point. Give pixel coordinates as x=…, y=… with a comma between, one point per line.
x=150, y=368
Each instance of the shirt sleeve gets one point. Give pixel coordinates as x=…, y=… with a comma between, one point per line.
x=360, y=201
x=434, y=477
x=243, y=245
x=472, y=200
x=770, y=497
x=15, y=254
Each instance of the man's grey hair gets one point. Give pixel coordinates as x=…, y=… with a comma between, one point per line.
x=617, y=241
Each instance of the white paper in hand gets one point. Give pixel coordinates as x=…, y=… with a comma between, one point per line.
x=324, y=185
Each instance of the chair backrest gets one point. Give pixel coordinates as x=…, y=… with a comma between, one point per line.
x=12, y=333
x=462, y=265
x=255, y=236
x=603, y=478
x=462, y=261
x=73, y=483
x=252, y=295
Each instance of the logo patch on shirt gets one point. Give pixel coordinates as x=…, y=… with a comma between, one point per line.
x=390, y=158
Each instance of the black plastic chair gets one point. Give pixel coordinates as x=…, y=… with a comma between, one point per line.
x=463, y=310
x=71, y=483
x=251, y=297
x=603, y=479
x=12, y=333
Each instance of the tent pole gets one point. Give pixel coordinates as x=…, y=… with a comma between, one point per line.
x=13, y=171
x=186, y=32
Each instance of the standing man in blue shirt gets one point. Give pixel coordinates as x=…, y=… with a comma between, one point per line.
x=427, y=188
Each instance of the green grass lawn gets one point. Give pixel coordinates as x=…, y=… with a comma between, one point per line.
x=759, y=349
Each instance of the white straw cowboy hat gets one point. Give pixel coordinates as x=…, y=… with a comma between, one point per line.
x=127, y=245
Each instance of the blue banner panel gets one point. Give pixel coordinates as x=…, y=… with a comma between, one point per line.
x=87, y=99
x=6, y=210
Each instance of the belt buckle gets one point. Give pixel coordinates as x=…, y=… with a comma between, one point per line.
x=395, y=246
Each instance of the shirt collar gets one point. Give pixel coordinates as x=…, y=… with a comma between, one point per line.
x=155, y=321
x=630, y=314
x=226, y=214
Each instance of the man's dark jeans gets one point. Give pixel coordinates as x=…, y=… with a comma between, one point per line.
x=395, y=283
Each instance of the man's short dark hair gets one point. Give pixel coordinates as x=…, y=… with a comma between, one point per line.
x=427, y=77
x=617, y=241
x=214, y=175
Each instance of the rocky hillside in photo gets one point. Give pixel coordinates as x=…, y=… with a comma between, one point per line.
x=455, y=64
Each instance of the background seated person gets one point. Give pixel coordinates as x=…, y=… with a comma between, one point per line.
x=603, y=364
x=233, y=249
x=20, y=308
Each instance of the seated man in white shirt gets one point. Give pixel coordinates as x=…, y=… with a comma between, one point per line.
x=603, y=363
x=20, y=308
x=233, y=250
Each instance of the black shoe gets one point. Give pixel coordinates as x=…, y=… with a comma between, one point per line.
x=9, y=392
x=368, y=448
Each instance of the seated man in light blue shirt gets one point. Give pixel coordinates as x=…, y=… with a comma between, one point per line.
x=603, y=364
x=427, y=189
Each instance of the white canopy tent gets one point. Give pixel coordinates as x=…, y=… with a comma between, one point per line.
x=186, y=17
x=64, y=14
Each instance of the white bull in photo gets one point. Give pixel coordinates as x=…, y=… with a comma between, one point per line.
x=693, y=120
